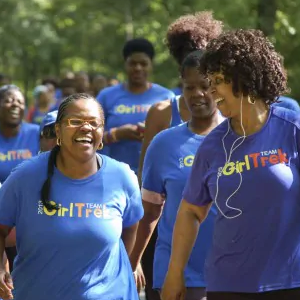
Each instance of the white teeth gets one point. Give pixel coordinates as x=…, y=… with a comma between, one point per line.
x=219, y=100
x=83, y=139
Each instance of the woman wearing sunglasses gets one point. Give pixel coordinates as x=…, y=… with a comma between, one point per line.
x=76, y=215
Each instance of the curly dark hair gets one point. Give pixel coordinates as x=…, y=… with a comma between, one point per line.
x=190, y=33
x=249, y=61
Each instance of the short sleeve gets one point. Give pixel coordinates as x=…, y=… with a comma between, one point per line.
x=196, y=191
x=171, y=95
x=134, y=208
x=152, y=180
x=9, y=200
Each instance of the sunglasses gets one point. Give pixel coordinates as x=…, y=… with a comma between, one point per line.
x=94, y=124
x=49, y=132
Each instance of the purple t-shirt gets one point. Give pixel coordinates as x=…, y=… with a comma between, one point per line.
x=259, y=248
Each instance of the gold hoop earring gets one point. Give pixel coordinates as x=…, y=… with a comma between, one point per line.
x=100, y=146
x=251, y=101
x=58, y=142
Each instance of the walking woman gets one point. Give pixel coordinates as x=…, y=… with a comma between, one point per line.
x=185, y=35
x=249, y=167
x=167, y=165
x=126, y=105
x=76, y=215
x=19, y=140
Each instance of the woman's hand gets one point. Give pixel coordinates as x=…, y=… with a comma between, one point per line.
x=174, y=287
x=139, y=278
x=6, y=285
x=129, y=132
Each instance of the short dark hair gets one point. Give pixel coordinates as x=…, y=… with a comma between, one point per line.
x=191, y=61
x=249, y=61
x=138, y=45
x=50, y=80
x=45, y=192
x=191, y=32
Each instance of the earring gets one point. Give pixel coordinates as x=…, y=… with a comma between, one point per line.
x=100, y=146
x=58, y=142
x=251, y=101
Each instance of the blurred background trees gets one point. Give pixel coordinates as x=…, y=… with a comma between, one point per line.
x=48, y=37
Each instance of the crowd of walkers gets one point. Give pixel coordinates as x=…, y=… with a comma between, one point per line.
x=110, y=188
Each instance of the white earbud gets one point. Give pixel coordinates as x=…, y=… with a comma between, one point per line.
x=227, y=160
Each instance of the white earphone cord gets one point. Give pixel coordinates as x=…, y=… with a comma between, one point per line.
x=227, y=160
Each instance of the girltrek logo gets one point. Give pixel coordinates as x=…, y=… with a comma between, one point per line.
x=77, y=210
x=15, y=155
x=254, y=161
x=132, y=109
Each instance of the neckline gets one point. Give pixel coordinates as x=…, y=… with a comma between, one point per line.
x=84, y=180
x=191, y=133
x=139, y=94
x=232, y=132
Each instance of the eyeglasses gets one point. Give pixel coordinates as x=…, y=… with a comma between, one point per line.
x=95, y=123
x=49, y=132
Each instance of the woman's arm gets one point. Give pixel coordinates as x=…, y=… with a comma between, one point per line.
x=189, y=218
x=129, y=236
x=186, y=228
x=152, y=213
x=6, y=284
x=10, y=240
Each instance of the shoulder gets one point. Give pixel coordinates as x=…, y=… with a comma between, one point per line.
x=28, y=127
x=286, y=116
x=109, y=90
x=159, y=114
x=217, y=132
x=164, y=136
x=161, y=107
x=31, y=170
x=288, y=103
x=167, y=139
x=213, y=141
x=118, y=170
x=158, y=88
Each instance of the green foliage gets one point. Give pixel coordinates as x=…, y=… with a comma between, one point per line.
x=47, y=37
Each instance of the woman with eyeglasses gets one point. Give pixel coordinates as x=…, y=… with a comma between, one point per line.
x=76, y=214
x=19, y=141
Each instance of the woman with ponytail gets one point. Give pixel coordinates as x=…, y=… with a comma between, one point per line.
x=75, y=213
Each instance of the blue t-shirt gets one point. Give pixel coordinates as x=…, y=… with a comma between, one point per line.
x=177, y=91
x=175, y=117
x=75, y=253
x=167, y=164
x=123, y=107
x=37, y=116
x=15, y=149
x=257, y=250
x=288, y=103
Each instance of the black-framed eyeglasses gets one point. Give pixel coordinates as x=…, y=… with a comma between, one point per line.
x=49, y=132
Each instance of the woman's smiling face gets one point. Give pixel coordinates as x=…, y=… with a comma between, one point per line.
x=228, y=104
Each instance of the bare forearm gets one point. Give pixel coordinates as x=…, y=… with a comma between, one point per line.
x=184, y=236
x=128, y=237
x=145, y=145
x=145, y=231
x=3, y=260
